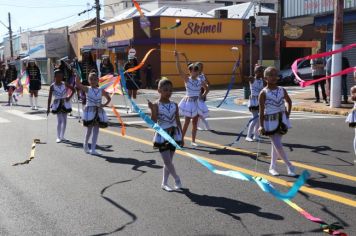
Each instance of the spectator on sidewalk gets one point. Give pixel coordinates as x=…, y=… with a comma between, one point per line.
x=345, y=65
x=318, y=71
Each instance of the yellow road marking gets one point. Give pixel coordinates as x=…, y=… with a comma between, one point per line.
x=313, y=168
x=309, y=190
x=298, y=164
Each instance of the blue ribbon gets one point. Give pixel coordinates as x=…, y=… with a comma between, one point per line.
x=243, y=130
x=261, y=182
x=264, y=184
x=232, y=81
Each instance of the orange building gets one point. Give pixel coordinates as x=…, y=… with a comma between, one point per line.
x=208, y=40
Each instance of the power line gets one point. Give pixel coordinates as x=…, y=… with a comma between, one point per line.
x=27, y=6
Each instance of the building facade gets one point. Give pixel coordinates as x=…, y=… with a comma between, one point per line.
x=308, y=25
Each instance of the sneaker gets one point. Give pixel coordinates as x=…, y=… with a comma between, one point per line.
x=58, y=140
x=166, y=188
x=35, y=108
x=248, y=139
x=291, y=171
x=194, y=144
x=178, y=184
x=95, y=153
x=273, y=172
x=200, y=128
x=32, y=108
x=86, y=148
x=326, y=102
x=317, y=101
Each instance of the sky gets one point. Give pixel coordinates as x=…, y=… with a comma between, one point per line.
x=42, y=14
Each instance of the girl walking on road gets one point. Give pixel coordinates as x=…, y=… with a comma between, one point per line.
x=94, y=115
x=256, y=86
x=274, y=118
x=61, y=104
x=202, y=121
x=34, y=75
x=192, y=105
x=166, y=114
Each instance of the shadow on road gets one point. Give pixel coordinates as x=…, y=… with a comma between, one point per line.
x=228, y=206
x=134, y=162
x=117, y=205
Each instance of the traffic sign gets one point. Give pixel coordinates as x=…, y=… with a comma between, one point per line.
x=100, y=43
x=262, y=21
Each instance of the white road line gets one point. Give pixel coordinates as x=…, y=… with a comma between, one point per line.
x=2, y=120
x=24, y=115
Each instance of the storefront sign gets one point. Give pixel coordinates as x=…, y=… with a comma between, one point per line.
x=108, y=32
x=261, y=21
x=202, y=28
x=301, y=44
x=292, y=31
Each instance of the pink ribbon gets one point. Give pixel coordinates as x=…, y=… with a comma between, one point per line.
x=303, y=83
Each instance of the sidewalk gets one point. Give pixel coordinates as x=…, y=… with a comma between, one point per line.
x=304, y=101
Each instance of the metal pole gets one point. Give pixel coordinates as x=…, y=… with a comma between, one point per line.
x=250, y=26
x=97, y=8
x=336, y=66
x=278, y=36
x=10, y=33
x=260, y=37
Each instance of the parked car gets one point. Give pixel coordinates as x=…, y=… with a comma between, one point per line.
x=286, y=76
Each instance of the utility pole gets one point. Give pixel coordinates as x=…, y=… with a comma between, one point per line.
x=97, y=7
x=336, y=66
x=277, y=50
x=260, y=36
x=10, y=34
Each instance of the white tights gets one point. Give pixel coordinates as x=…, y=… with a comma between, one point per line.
x=61, y=125
x=253, y=127
x=168, y=167
x=95, y=130
x=277, y=151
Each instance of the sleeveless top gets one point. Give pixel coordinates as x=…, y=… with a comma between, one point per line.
x=166, y=117
x=94, y=97
x=59, y=91
x=274, y=101
x=193, y=87
x=256, y=87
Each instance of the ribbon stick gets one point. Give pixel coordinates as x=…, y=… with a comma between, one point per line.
x=144, y=22
x=232, y=80
x=176, y=25
x=123, y=128
x=303, y=83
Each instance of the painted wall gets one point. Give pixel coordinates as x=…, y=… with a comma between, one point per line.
x=217, y=58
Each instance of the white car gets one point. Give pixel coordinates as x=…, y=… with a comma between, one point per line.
x=286, y=77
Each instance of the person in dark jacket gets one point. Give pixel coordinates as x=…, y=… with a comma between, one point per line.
x=133, y=81
x=34, y=75
x=106, y=66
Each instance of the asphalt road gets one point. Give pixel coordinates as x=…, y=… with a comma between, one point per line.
x=64, y=191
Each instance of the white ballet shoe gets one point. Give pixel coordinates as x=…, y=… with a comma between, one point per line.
x=273, y=172
x=86, y=148
x=178, y=184
x=166, y=188
x=58, y=140
x=95, y=153
x=194, y=144
x=248, y=139
x=291, y=171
